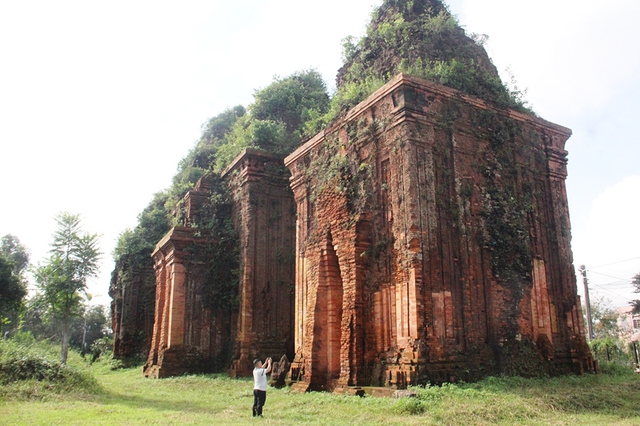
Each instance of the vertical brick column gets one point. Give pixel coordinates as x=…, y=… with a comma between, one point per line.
x=263, y=215
x=540, y=306
x=156, y=339
x=176, y=316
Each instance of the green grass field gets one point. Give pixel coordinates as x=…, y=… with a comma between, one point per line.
x=125, y=397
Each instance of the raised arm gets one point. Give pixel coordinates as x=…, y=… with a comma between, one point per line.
x=268, y=367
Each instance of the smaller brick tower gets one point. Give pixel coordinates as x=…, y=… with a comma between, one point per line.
x=191, y=335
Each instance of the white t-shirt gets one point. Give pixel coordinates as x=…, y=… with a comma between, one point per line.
x=260, y=379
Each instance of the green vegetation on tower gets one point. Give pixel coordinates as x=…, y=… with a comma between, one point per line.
x=421, y=38
x=276, y=122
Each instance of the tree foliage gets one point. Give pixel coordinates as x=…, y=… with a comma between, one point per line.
x=12, y=291
x=63, y=278
x=14, y=251
x=134, y=246
x=276, y=122
x=202, y=156
x=282, y=114
x=14, y=259
x=292, y=101
x=220, y=257
x=606, y=343
x=92, y=323
x=604, y=319
x=37, y=320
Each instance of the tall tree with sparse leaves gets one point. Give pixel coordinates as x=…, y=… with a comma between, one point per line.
x=63, y=278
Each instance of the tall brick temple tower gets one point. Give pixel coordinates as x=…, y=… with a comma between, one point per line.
x=191, y=335
x=433, y=244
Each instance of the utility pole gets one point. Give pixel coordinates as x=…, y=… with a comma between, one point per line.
x=583, y=271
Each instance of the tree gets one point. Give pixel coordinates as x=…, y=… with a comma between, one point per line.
x=14, y=259
x=607, y=343
x=91, y=326
x=292, y=100
x=636, y=283
x=605, y=319
x=63, y=278
x=12, y=292
x=37, y=320
x=13, y=250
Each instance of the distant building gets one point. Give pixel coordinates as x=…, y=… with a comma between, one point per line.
x=628, y=324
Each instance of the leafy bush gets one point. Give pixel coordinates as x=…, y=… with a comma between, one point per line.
x=27, y=365
x=610, y=350
x=411, y=405
x=292, y=100
x=613, y=368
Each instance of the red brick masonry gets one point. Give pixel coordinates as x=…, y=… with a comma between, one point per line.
x=427, y=238
x=398, y=285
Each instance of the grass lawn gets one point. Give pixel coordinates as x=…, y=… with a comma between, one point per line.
x=124, y=397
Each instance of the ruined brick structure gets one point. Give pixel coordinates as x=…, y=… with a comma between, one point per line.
x=194, y=333
x=433, y=244
x=264, y=214
x=132, y=311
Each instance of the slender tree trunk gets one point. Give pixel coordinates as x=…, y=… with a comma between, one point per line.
x=64, y=352
x=84, y=333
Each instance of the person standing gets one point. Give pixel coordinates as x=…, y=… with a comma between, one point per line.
x=260, y=385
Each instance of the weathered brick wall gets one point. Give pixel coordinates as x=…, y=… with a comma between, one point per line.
x=442, y=223
x=264, y=214
x=132, y=293
x=193, y=333
x=188, y=335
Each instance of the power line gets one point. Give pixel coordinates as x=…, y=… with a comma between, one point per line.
x=611, y=292
x=616, y=287
x=610, y=276
x=614, y=263
x=622, y=283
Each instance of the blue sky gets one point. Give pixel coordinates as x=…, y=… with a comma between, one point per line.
x=99, y=101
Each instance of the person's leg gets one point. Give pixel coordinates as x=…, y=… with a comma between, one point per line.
x=262, y=397
x=256, y=402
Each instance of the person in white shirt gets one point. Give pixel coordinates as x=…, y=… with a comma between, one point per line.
x=260, y=385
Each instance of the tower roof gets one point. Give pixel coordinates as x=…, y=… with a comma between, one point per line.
x=422, y=38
